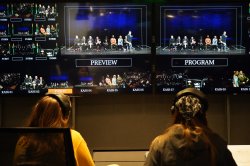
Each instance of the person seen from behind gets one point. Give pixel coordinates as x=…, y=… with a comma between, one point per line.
x=51, y=111
x=189, y=141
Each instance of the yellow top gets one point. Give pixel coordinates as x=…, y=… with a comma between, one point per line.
x=81, y=150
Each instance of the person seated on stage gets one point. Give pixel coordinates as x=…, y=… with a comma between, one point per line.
x=42, y=30
x=207, y=42
x=84, y=43
x=47, y=11
x=192, y=43
x=178, y=43
x=106, y=43
x=220, y=44
x=39, y=11
x=53, y=30
x=48, y=30
x=185, y=42
x=114, y=80
x=119, y=80
x=120, y=43
x=200, y=43
x=52, y=12
x=113, y=43
x=90, y=42
x=98, y=43
x=243, y=79
x=77, y=43
x=27, y=82
x=108, y=80
x=172, y=43
x=41, y=83
x=236, y=79
x=215, y=43
x=35, y=82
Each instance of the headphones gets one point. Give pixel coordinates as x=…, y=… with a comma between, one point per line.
x=63, y=101
x=194, y=92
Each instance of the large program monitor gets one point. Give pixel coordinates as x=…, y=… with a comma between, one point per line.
x=203, y=45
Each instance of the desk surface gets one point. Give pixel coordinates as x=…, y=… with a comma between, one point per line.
x=240, y=153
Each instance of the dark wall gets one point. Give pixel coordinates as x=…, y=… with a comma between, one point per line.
x=132, y=121
x=240, y=120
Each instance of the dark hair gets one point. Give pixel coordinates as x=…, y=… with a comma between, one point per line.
x=189, y=111
x=52, y=110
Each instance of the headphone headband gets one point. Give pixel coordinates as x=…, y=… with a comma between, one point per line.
x=63, y=102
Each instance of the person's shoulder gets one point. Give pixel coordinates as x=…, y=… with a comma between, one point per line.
x=218, y=140
x=77, y=138
x=170, y=132
x=175, y=130
x=75, y=134
x=158, y=142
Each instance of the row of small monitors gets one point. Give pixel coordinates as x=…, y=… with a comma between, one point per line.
x=125, y=82
x=90, y=91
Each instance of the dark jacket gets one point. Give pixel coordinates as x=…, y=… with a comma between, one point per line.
x=173, y=149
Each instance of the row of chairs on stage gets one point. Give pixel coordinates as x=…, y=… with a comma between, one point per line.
x=199, y=46
x=97, y=45
x=208, y=44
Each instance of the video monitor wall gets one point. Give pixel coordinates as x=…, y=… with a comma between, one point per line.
x=75, y=48
x=114, y=47
x=203, y=45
